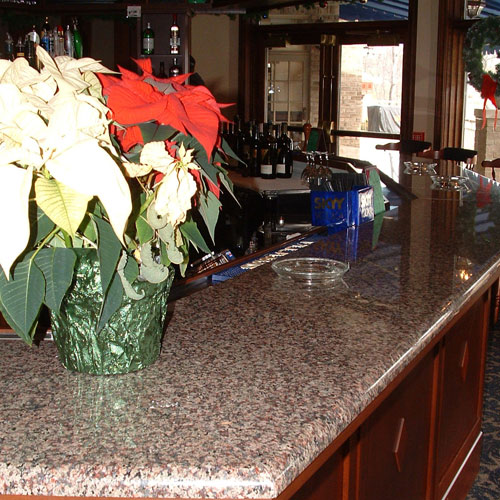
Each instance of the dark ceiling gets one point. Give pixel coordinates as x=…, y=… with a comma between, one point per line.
x=371, y=10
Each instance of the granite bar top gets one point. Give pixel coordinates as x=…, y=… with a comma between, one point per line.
x=256, y=376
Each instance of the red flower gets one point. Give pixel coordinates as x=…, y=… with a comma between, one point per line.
x=189, y=109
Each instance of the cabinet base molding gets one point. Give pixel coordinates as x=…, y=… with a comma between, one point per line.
x=466, y=474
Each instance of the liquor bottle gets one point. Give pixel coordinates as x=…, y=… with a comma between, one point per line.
x=254, y=153
x=161, y=73
x=175, y=40
x=284, y=164
x=148, y=41
x=20, y=47
x=30, y=54
x=77, y=40
x=58, y=35
x=44, y=35
x=69, y=48
x=34, y=37
x=9, y=47
x=175, y=69
x=267, y=153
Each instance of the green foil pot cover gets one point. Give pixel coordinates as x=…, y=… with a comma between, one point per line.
x=128, y=342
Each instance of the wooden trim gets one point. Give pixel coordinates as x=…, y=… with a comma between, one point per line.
x=450, y=75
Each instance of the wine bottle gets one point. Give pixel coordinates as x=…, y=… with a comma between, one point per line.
x=148, y=41
x=267, y=153
x=175, y=40
x=254, y=160
x=77, y=40
x=246, y=149
x=238, y=137
x=284, y=163
x=175, y=69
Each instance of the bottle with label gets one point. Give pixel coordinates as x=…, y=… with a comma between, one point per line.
x=33, y=36
x=77, y=40
x=45, y=35
x=267, y=153
x=69, y=48
x=175, y=69
x=175, y=40
x=20, y=47
x=58, y=35
x=284, y=164
x=148, y=41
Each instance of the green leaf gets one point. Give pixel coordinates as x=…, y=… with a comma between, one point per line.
x=151, y=131
x=88, y=228
x=131, y=270
x=57, y=266
x=126, y=284
x=145, y=232
x=209, y=210
x=22, y=296
x=229, y=151
x=41, y=225
x=164, y=254
x=109, y=250
x=65, y=206
x=152, y=271
x=112, y=301
x=190, y=230
x=208, y=169
x=228, y=184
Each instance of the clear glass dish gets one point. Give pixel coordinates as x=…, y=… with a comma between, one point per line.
x=311, y=271
x=449, y=183
x=419, y=168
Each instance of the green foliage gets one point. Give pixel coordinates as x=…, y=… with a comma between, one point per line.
x=57, y=266
x=481, y=37
x=209, y=210
x=21, y=297
x=109, y=250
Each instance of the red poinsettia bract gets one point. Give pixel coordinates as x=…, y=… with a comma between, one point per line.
x=189, y=109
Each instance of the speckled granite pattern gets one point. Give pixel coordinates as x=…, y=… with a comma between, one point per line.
x=256, y=376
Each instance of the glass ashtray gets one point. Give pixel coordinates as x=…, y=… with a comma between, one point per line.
x=419, y=168
x=311, y=271
x=449, y=183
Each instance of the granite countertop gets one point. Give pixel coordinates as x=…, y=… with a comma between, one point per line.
x=256, y=377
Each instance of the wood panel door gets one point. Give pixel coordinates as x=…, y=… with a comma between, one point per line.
x=394, y=446
x=461, y=391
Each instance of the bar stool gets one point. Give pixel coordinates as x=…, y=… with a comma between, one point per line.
x=491, y=164
x=467, y=156
x=405, y=146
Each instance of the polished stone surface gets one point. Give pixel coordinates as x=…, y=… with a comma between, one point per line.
x=256, y=376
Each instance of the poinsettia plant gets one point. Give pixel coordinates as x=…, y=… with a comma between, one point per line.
x=91, y=158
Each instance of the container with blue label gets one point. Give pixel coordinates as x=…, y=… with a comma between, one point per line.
x=342, y=209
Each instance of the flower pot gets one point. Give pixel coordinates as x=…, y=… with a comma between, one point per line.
x=128, y=342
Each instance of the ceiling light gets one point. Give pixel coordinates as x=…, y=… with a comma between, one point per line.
x=474, y=8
